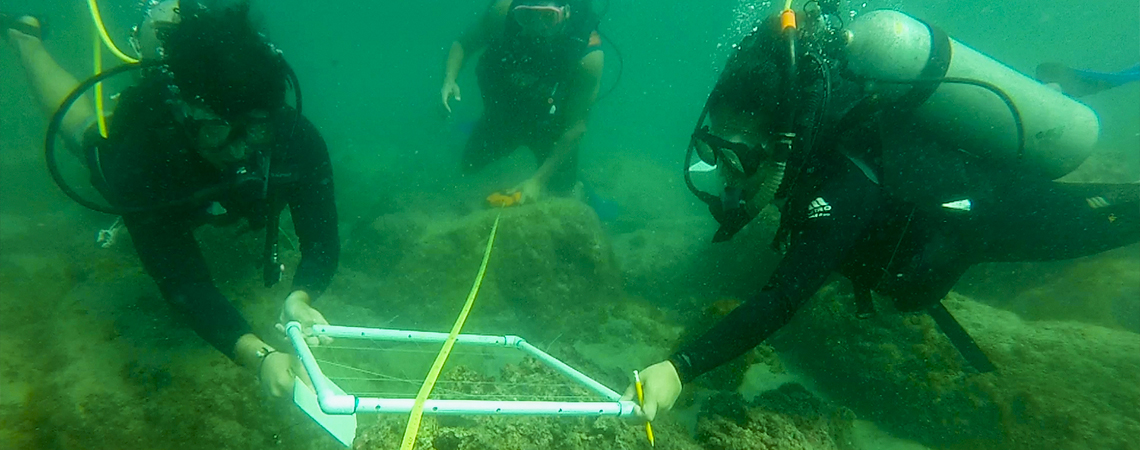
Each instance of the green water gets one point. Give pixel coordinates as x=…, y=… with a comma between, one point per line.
x=92, y=358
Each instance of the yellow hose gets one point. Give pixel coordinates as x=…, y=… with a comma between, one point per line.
x=102, y=38
x=100, y=118
x=102, y=30
x=418, y=409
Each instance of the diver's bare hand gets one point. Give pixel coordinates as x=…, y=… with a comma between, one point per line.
x=277, y=372
x=297, y=309
x=450, y=90
x=531, y=190
x=660, y=385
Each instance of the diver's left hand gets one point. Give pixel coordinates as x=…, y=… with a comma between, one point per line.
x=297, y=309
x=276, y=374
x=531, y=189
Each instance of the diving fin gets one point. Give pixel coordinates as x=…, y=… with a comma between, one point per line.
x=961, y=339
x=13, y=22
x=1079, y=83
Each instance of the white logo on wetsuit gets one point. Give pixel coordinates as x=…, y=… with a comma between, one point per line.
x=1097, y=202
x=819, y=208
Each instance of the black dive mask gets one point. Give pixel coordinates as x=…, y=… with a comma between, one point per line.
x=728, y=206
x=231, y=142
x=738, y=156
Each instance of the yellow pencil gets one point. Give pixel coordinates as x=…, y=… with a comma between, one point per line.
x=641, y=400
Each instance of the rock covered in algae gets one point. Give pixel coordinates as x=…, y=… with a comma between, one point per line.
x=548, y=258
x=528, y=380
x=1058, y=385
x=1102, y=289
x=786, y=418
x=789, y=418
x=94, y=359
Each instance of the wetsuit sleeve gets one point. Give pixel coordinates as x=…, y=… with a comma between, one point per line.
x=173, y=259
x=818, y=247
x=313, y=207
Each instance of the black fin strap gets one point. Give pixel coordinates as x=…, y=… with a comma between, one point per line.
x=937, y=65
x=961, y=339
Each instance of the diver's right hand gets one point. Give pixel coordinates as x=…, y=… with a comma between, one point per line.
x=450, y=89
x=661, y=386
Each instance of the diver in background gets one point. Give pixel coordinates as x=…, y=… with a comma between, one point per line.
x=829, y=170
x=204, y=136
x=539, y=75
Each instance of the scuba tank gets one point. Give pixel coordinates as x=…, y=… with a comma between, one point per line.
x=906, y=60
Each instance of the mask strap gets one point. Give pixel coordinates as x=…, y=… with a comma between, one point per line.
x=705, y=197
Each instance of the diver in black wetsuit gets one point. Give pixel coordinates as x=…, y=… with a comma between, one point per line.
x=205, y=136
x=863, y=191
x=539, y=75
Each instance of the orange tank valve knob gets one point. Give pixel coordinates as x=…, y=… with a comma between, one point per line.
x=787, y=19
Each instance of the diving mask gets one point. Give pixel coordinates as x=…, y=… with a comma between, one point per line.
x=542, y=20
x=224, y=142
x=719, y=152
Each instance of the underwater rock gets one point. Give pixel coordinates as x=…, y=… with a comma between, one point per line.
x=551, y=262
x=789, y=418
x=1059, y=385
x=668, y=261
x=786, y=418
x=1102, y=289
x=525, y=381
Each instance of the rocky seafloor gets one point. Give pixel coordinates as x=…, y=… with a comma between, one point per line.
x=787, y=418
x=94, y=359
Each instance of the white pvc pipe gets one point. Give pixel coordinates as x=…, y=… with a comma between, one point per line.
x=331, y=402
x=571, y=372
x=470, y=339
x=413, y=336
x=490, y=407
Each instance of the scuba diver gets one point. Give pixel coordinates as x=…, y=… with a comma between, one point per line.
x=897, y=157
x=204, y=136
x=539, y=76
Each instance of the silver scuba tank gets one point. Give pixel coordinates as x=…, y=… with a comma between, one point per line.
x=1060, y=132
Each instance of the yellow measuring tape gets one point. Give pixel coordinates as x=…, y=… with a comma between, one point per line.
x=418, y=409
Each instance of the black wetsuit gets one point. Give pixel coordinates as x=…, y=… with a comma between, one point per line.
x=146, y=161
x=525, y=84
x=913, y=239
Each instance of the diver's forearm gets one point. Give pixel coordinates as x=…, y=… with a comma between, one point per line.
x=455, y=59
x=566, y=145
x=52, y=84
x=247, y=349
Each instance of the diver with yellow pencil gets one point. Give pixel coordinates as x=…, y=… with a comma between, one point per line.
x=899, y=158
x=204, y=136
x=539, y=75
